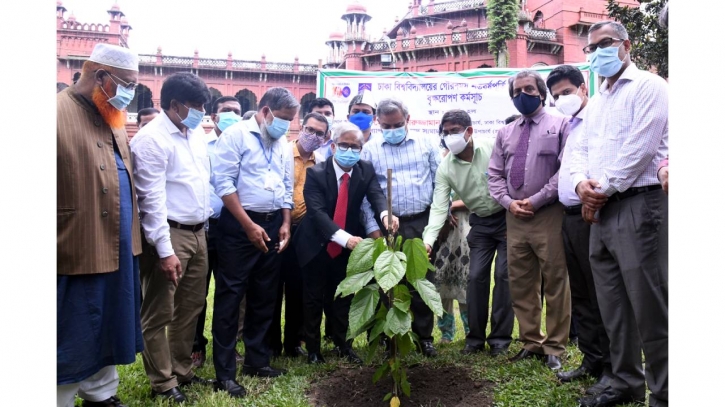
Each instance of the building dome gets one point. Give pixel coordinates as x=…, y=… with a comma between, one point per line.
x=336, y=36
x=124, y=21
x=72, y=17
x=356, y=7
x=59, y=3
x=115, y=7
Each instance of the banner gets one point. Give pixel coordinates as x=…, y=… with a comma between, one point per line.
x=483, y=93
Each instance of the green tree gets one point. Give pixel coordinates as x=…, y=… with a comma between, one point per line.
x=503, y=22
x=649, y=39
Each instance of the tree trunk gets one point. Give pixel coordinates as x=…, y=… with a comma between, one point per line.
x=502, y=59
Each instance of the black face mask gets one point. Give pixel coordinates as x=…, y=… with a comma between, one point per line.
x=526, y=104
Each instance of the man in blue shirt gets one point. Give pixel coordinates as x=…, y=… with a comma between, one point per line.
x=324, y=107
x=253, y=179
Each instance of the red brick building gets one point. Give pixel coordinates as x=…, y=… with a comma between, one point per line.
x=431, y=35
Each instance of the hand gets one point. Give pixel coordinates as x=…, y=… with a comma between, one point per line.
x=591, y=199
x=589, y=215
x=258, y=237
x=352, y=242
x=284, y=236
x=527, y=205
x=518, y=211
x=375, y=235
x=664, y=174
x=171, y=266
x=394, y=223
x=453, y=220
x=428, y=249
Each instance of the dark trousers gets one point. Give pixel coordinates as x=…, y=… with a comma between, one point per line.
x=628, y=254
x=242, y=268
x=200, y=340
x=486, y=238
x=290, y=285
x=593, y=341
x=320, y=278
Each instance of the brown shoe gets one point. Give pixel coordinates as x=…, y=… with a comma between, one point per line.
x=198, y=358
x=240, y=357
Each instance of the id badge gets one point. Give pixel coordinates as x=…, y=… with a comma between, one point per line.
x=271, y=180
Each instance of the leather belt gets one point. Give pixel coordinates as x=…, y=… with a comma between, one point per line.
x=409, y=218
x=634, y=191
x=573, y=210
x=193, y=228
x=262, y=216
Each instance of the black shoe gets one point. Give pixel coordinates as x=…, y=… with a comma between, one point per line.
x=579, y=373
x=112, y=401
x=195, y=380
x=336, y=351
x=351, y=357
x=233, y=388
x=315, y=358
x=470, y=350
x=266, y=371
x=428, y=350
x=553, y=362
x=498, y=350
x=609, y=397
x=602, y=384
x=525, y=354
x=295, y=352
x=174, y=394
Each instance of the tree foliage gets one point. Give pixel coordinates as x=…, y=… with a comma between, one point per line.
x=649, y=39
x=503, y=22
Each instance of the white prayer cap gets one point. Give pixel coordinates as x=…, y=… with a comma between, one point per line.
x=368, y=99
x=115, y=56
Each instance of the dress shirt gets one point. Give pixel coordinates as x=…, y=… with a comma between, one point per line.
x=625, y=133
x=300, y=175
x=469, y=181
x=243, y=166
x=172, y=173
x=546, y=144
x=215, y=201
x=414, y=162
x=567, y=194
x=325, y=150
x=341, y=236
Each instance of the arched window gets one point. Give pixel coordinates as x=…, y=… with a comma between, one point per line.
x=305, y=104
x=215, y=94
x=141, y=100
x=247, y=99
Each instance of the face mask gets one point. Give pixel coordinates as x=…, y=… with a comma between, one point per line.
x=394, y=136
x=278, y=127
x=122, y=99
x=330, y=120
x=527, y=104
x=193, y=118
x=362, y=120
x=605, y=61
x=309, y=141
x=346, y=159
x=456, y=143
x=226, y=119
x=569, y=104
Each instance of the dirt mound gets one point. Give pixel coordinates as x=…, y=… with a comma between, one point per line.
x=429, y=387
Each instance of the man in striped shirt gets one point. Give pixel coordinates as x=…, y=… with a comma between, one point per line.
x=414, y=159
x=614, y=168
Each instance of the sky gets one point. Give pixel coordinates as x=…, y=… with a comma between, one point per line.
x=280, y=29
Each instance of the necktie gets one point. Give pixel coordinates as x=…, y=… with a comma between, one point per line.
x=519, y=164
x=334, y=249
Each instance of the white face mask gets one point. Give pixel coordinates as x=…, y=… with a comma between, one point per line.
x=569, y=104
x=456, y=143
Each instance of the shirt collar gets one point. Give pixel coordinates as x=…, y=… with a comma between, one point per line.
x=629, y=74
x=253, y=126
x=579, y=117
x=410, y=136
x=339, y=171
x=536, y=119
x=169, y=126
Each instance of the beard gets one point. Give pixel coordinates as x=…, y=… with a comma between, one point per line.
x=115, y=118
x=267, y=140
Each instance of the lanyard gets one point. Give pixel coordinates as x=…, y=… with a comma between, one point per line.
x=269, y=159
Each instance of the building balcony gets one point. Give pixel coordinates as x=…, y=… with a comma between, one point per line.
x=586, y=20
x=449, y=6
x=428, y=41
x=158, y=60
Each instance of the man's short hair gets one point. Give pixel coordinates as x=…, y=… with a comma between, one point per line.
x=322, y=102
x=618, y=28
x=184, y=87
x=562, y=72
x=248, y=114
x=391, y=105
x=278, y=99
x=145, y=112
x=532, y=74
x=512, y=118
x=220, y=100
x=346, y=127
x=357, y=100
x=317, y=116
x=455, y=116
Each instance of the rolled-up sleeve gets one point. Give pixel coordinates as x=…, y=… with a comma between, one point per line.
x=288, y=203
x=227, y=161
x=497, y=173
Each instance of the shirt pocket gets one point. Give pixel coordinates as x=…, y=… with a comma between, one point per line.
x=548, y=145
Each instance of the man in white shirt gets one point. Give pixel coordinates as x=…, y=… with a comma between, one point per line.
x=172, y=173
x=614, y=170
x=252, y=176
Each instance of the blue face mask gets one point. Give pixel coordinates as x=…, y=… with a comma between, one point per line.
x=362, y=120
x=123, y=96
x=193, y=118
x=278, y=127
x=226, y=119
x=605, y=61
x=394, y=136
x=527, y=104
x=346, y=159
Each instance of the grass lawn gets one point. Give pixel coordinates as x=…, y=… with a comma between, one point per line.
x=526, y=383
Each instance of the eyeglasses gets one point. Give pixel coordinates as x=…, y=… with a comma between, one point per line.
x=131, y=86
x=605, y=43
x=345, y=147
x=310, y=130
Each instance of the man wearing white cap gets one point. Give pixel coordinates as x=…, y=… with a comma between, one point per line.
x=98, y=231
x=361, y=112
